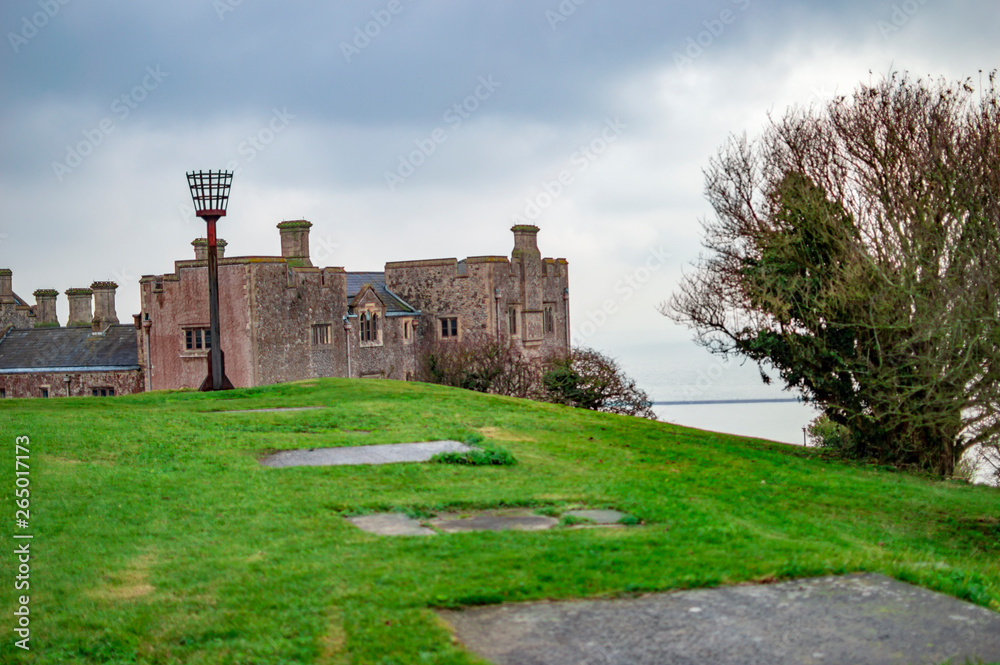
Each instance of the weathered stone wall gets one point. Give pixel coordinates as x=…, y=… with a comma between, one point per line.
x=285, y=303
x=439, y=289
x=269, y=305
x=392, y=355
x=18, y=316
x=481, y=291
x=80, y=384
x=173, y=303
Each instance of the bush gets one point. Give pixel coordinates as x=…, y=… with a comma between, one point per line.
x=587, y=379
x=486, y=454
x=825, y=433
x=583, y=378
x=484, y=365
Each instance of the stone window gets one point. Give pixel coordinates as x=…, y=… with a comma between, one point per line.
x=45, y=391
x=550, y=319
x=196, y=339
x=512, y=320
x=449, y=327
x=370, y=333
x=406, y=330
x=3, y=393
x=322, y=333
x=102, y=392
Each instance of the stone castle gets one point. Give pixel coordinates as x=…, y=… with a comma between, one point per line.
x=282, y=319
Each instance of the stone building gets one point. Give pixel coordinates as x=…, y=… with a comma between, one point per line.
x=92, y=355
x=283, y=319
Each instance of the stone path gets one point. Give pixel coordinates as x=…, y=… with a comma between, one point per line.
x=391, y=524
x=493, y=520
x=849, y=620
x=355, y=455
x=507, y=519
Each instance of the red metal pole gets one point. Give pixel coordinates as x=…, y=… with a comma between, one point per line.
x=215, y=368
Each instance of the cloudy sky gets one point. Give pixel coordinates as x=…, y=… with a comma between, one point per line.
x=408, y=129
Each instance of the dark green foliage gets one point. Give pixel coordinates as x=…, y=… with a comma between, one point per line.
x=855, y=251
x=588, y=379
x=583, y=378
x=483, y=454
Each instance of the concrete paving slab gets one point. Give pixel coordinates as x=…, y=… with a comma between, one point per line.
x=357, y=455
x=492, y=520
x=390, y=524
x=597, y=516
x=848, y=620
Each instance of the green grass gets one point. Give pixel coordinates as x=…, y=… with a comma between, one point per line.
x=160, y=539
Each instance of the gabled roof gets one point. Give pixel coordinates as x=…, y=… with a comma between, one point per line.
x=69, y=350
x=19, y=300
x=356, y=282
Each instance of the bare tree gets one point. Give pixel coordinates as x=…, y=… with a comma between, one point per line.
x=855, y=249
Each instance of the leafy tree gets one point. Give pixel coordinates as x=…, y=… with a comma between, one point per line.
x=583, y=378
x=587, y=379
x=855, y=250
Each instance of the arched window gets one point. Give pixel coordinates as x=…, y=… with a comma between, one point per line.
x=368, y=327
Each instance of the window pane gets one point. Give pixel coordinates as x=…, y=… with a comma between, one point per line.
x=188, y=339
x=208, y=339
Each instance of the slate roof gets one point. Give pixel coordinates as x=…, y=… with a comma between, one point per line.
x=68, y=350
x=393, y=303
x=19, y=300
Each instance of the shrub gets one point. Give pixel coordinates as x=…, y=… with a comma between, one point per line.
x=587, y=379
x=825, y=433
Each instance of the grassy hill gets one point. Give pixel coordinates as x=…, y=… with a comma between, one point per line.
x=158, y=538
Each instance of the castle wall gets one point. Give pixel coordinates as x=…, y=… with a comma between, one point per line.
x=285, y=304
x=179, y=302
x=394, y=354
x=481, y=291
x=17, y=316
x=81, y=384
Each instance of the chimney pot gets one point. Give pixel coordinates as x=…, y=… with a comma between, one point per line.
x=104, y=302
x=201, y=248
x=525, y=239
x=6, y=287
x=45, y=308
x=295, y=242
x=81, y=303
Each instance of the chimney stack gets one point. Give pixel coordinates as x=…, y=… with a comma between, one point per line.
x=81, y=303
x=201, y=248
x=104, y=302
x=525, y=239
x=295, y=242
x=45, y=308
x=6, y=287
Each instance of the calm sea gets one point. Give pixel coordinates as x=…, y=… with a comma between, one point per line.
x=743, y=403
x=685, y=372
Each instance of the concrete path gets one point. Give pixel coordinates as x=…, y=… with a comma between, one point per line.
x=849, y=620
x=493, y=520
x=356, y=455
x=503, y=519
x=390, y=524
